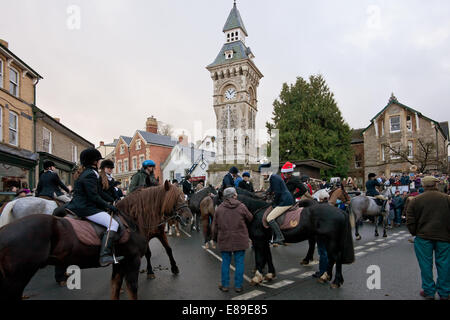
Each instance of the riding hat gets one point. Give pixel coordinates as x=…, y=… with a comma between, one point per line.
x=246, y=174
x=372, y=175
x=107, y=164
x=148, y=163
x=234, y=170
x=89, y=156
x=288, y=167
x=48, y=164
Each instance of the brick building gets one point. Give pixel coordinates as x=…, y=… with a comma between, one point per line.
x=356, y=166
x=395, y=140
x=18, y=159
x=130, y=152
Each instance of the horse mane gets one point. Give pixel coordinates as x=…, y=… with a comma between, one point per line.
x=147, y=206
x=253, y=204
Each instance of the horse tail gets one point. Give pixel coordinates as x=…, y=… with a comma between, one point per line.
x=6, y=216
x=352, y=216
x=348, y=252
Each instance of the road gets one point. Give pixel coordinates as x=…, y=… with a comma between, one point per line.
x=200, y=274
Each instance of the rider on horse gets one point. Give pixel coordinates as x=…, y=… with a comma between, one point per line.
x=282, y=201
x=107, y=182
x=50, y=184
x=228, y=179
x=371, y=190
x=246, y=184
x=293, y=183
x=145, y=177
x=87, y=203
x=188, y=189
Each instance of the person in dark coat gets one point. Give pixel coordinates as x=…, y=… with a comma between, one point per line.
x=87, y=203
x=50, y=184
x=246, y=184
x=428, y=219
x=282, y=201
x=145, y=177
x=229, y=229
x=107, y=182
x=188, y=189
x=228, y=179
x=119, y=192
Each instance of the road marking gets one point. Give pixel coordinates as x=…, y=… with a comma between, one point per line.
x=383, y=245
x=231, y=266
x=278, y=284
x=289, y=271
x=402, y=231
x=359, y=248
x=379, y=240
x=370, y=243
x=372, y=249
x=249, y=295
x=185, y=233
x=305, y=275
x=396, y=234
x=392, y=241
x=360, y=253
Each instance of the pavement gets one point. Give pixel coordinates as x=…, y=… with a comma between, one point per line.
x=200, y=274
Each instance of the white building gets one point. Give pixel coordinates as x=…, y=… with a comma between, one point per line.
x=185, y=160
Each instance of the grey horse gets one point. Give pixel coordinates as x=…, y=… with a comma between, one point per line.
x=366, y=206
x=25, y=206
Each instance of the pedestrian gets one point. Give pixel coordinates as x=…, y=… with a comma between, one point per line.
x=428, y=218
x=397, y=203
x=229, y=230
x=323, y=259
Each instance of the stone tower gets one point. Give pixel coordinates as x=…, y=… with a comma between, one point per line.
x=236, y=79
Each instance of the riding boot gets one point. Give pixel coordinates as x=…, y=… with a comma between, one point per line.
x=106, y=251
x=279, y=238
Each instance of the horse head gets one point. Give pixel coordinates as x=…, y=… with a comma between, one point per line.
x=212, y=190
x=176, y=204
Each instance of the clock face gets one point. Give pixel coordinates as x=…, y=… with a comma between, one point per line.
x=230, y=94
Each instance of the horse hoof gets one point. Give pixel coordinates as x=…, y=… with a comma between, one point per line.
x=122, y=291
x=62, y=283
x=151, y=276
x=178, y=234
x=358, y=238
x=324, y=278
x=143, y=271
x=206, y=245
x=304, y=262
x=335, y=286
x=175, y=270
x=376, y=234
x=385, y=235
x=269, y=277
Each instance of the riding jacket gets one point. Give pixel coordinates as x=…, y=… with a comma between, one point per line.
x=227, y=181
x=283, y=197
x=50, y=184
x=296, y=187
x=246, y=185
x=370, y=188
x=187, y=188
x=109, y=194
x=86, y=199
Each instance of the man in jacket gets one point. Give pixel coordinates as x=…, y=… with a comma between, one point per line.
x=230, y=231
x=228, y=179
x=145, y=177
x=50, y=184
x=188, y=189
x=246, y=184
x=295, y=186
x=428, y=218
x=397, y=203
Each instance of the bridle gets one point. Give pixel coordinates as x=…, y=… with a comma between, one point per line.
x=174, y=216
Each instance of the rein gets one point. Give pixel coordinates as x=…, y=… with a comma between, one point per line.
x=176, y=215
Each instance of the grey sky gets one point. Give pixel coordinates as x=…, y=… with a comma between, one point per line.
x=132, y=59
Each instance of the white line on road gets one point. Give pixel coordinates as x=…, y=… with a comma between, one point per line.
x=383, y=245
x=278, y=284
x=379, y=240
x=289, y=271
x=185, y=233
x=396, y=234
x=402, y=231
x=359, y=248
x=249, y=295
x=372, y=249
x=360, y=253
x=231, y=267
x=370, y=243
x=305, y=275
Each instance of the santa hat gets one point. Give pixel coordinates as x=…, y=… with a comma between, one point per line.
x=288, y=167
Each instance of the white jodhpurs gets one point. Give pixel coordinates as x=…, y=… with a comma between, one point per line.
x=103, y=218
x=276, y=212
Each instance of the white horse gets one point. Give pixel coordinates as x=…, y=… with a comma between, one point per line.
x=26, y=206
x=321, y=195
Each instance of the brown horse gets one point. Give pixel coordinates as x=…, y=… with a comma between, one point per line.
x=33, y=242
x=207, y=215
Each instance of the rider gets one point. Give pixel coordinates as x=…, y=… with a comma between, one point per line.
x=293, y=183
x=228, y=179
x=371, y=190
x=246, y=184
x=188, y=189
x=107, y=182
x=282, y=201
x=145, y=177
x=50, y=184
x=87, y=203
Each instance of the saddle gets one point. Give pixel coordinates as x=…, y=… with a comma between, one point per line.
x=288, y=220
x=90, y=233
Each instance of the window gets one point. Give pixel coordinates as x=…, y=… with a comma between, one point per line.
x=395, y=151
x=125, y=165
x=119, y=166
x=395, y=124
x=382, y=153
x=46, y=140
x=122, y=149
x=134, y=163
x=1, y=73
x=141, y=160
x=358, y=161
x=1, y=124
x=138, y=145
x=410, y=149
x=382, y=127
x=74, y=153
x=13, y=82
x=13, y=129
x=408, y=123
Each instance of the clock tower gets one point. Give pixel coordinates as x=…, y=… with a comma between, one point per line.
x=235, y=79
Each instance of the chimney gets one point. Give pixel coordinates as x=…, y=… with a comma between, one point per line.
x=102, y=143
x=151, y=125
x=4, y=43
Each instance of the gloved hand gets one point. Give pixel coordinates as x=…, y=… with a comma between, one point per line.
x=113, y=208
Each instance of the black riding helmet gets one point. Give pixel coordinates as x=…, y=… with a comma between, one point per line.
x=372, y=175
x=107, y=164
x=89, y=156
x=234, y=170
x=48, y=164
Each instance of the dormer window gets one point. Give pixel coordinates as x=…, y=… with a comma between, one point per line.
x=229, y=54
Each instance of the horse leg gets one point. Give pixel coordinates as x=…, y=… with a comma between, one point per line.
x=357, y=220
x=197, y=221
x=271, y=269
x=259, y=262
x=338, y=279
x=148, y=255
x=131, y=277
x=163, y=239
x=116, y=281
x=60, y=275
x=310, y=255
x=177, y=228
x=376, y=226
x=205, y=227
x=384, y=225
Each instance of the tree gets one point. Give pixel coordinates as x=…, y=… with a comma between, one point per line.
x=164, y=129
x=311, y=125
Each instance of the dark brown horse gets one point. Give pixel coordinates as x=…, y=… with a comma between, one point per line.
x=33, y=242
x=207, y=215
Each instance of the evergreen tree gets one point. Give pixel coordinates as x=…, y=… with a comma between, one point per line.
x=311, y=125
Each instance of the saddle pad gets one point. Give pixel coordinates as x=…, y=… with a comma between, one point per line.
x=88, y=235
x=288, y=220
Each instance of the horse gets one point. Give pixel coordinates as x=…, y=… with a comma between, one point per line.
x=134, y=204
x=330, y=224
x=25, y=206
x=38, y=240
x=207, y=216
x=194, y=203
x=361, y=206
